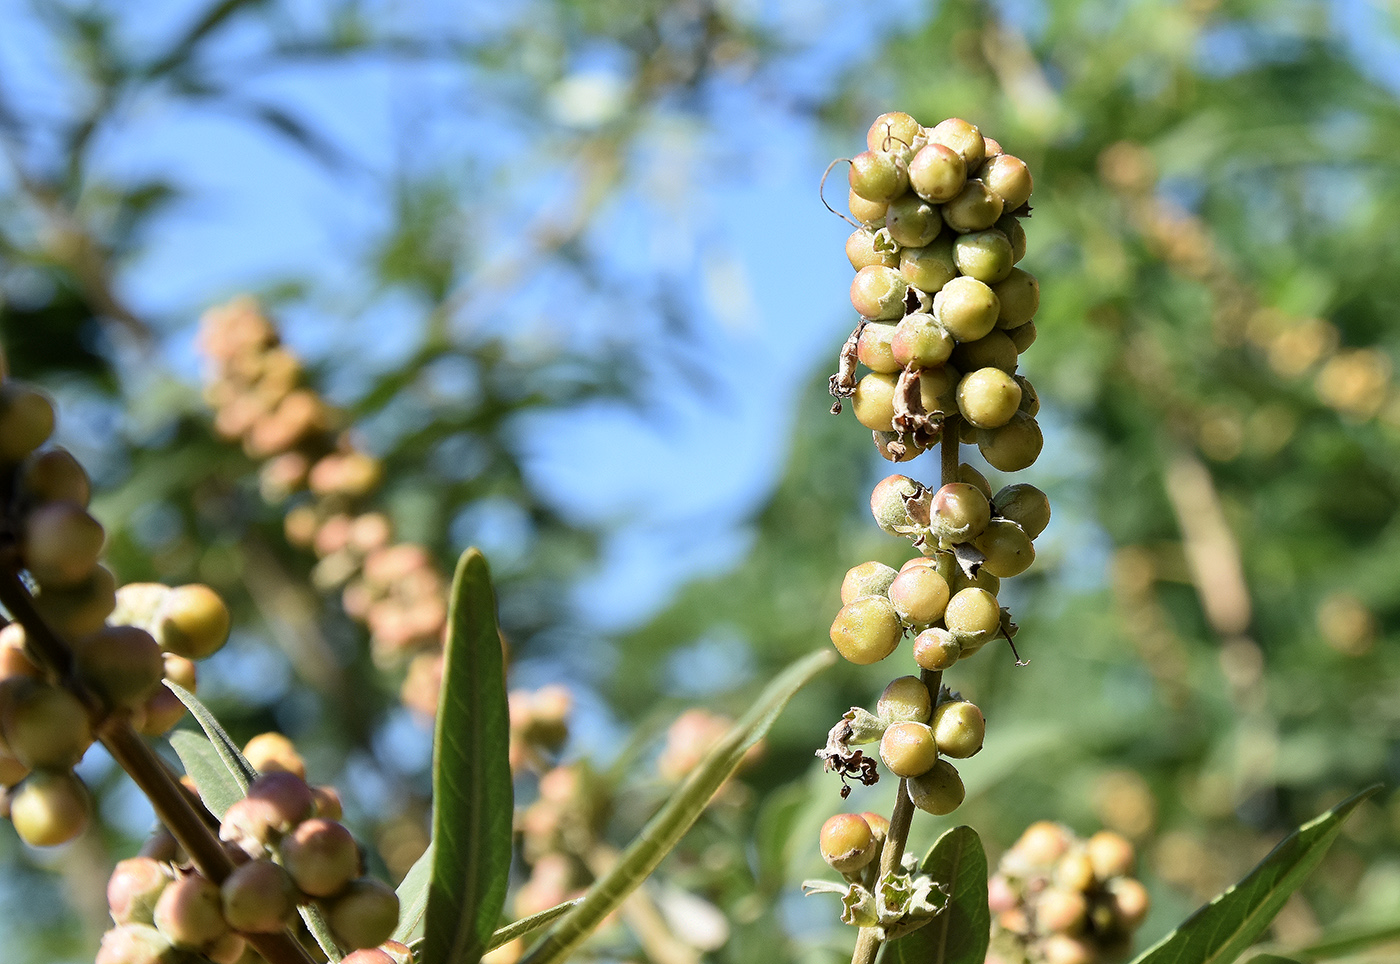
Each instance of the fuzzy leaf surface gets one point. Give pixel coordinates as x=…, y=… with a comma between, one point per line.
x=233, y=758
x=473, y=800
x=212, y=777
x=1222, y=930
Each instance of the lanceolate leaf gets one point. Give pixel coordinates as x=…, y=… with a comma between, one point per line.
x=665, y=829
x=1221, y=930
x=238, y=765
x=1347, y=944
x=528, y=925
x=473, y=803
x=960, y=934
x=1270, y=959
x=413, y=896
x=217, y=787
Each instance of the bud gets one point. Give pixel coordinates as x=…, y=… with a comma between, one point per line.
x=82, y=608
x=136, y=944
x=269, y=752
x=54, y=475
x=1110, y=854
x=26, y=420
x=1130, y=902
x=1060, y=911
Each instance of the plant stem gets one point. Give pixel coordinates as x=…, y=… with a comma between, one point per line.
x=892, y=853
x=172, y=804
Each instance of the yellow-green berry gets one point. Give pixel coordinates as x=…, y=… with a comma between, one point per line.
x=891, y=130
x=958, y=728
x=44, y=726
x=866, y=579
x=873, y=347
x=1013, y=446
x=919, y=596
x=878, y=176
x=937, y=173
x=321, y=856
x=973, y=616
x=877, y=293
x=993, y=350
x=26, y=420
x=862, y=251
x=190, y=912
x=1007, y=547
x=939, y=790
x=847, y=843
x=959, y=512
x=931, y=267
x=905, y=700
x=962, y=137
x=984, y=255
x=193, y=623
x=364, y=914
x=1019, y=296
x=908, y=749
x=50, y=807
x=1008, y=178
x=975, y=208
x=912, y=222
x=988, y=397
x=966, y=308
x=936, y=649
x=873, y=401
x=919, y=341
x=259, y=897
x=866, y=630
x=61, y=544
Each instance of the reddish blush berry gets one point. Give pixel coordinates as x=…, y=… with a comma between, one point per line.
x=866, y=579
x=873, y=347
x=321, y=856
x=908, y=749
x=936, y=649
x=959, y=512
x=919, y=596
x=962, y=137
x=937, y=173
x=847, y=844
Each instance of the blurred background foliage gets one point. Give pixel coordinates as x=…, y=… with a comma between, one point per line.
x=562, y=268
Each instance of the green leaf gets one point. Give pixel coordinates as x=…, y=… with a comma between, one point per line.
x=413, y=896
x=1222, y=930
x=1270, y=959
x=528, y=925
x=473, y=801
x=215, y=782
x=961, y=933
x=665, y=830
x=1346, y=943
x=237, y=764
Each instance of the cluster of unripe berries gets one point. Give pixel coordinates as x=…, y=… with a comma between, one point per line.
x=945, y=311
x=123, y=642
x=1057, y=899
x=396, y=589
x=289, y=849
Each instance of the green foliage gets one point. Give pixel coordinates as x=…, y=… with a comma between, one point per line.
x=958, y=935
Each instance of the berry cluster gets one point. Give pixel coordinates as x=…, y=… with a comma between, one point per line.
x=1061, y=900
x=289, y=849
x=257, y=389
x=112, y=648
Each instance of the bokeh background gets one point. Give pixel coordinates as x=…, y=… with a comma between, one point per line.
x=562, y=267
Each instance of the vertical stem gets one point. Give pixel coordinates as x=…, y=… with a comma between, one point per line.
x=867, y=943
x=167, y=796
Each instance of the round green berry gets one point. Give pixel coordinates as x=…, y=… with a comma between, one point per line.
x=1008, y=178
x=321, y=856
x=878, y=293
x=905, y=700
x=866, y=630
x=966, y=308
x=868, y=213
x=911, y=448
x=1030, y=401
x=912, y=222
x=365, y=914
x=988, y=397
x=847, y=843
x=1013, y=446
x=891, y=130
x=973, y=616
x=908, y=749
x=873, y=347
x=873, y=401
x=936, y=649
x=959, y=512
x=861, y=251
x=888, y=502
x=931, y=267
x=61, y=544
x=975, y=208
x=50, y=807
x=1010, y=225
x=190, y=912
x=122, y=664
x=937, y=173
x=26, y=420
x=1019, y=296
x=962, y=137
x=1007, y=547
x=866, y=579
x=984, y=255
x=81, y=608
x=970, y=475
x=993, y=350
x=958, y=729
x=54, y=475
x=878, y=176
x=919, y=596
x=939, y=790
x=1022, y=337
x=44, y=725
x=919, y=341
x=193, y=622
x=937, y=389
x=259, y=897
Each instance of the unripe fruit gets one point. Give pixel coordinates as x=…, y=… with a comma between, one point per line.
x=866, y=579
x=228, y=949
x=50, y=807
x=959, y=512
x=1012, y=447
x=973, y=616
x=939, y=790
x=11, y=773
x=133, y=889
x=164, y=709
x=975, y=208
x=919, y=596
x=122, y=664
x=905, y=700
x=984, y=255
x=873, y=347
x=1023, y=338
x=1073, y=871
x=991, y=146
x=878, y=293
x=61, y=544
x=938, y=389
x=937, y=173
x=1059, y=911
x=873, y=401
x=194, y=622
x=136, y=944
x=369, y=955
x=55, y=475
x=14, y=654
x=970, y=475
x=269, y=752
x=993, y=350
x=931, y=267
x=913, y=448
x=866, y=630
x=847, y=844
x=861, y=250
x=1110, y=854
x=1063, y=949
x=908, y=749
x=321, y=856
x=967, y=308
x=44, y=726
x=364, y=914
x=879, y=826
x=936, y=649
x=259, y=897
x=887, y=502
x=1008, y=178
x=1043, y=843
x=328, y=805
x=1007, y=547
x=190, y=912
x=962, y=137
x=919, y=341
x=1010, y=226
x=891, y=130
x=82, y=608
x=26, y=420
x=1030, y=401
x=912, y=222
x=1130, y=902
x=958, y=729
x=1019, y=295
x=988, y=397
x=288, y=794
x=878, y=176
x=866, y=212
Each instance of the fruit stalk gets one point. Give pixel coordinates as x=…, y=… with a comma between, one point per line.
x=172, y=805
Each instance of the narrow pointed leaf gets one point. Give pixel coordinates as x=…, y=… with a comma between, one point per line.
x=212, y=777
x=665, y=830
x=473, y=803
x=1222, y=930
x=1271, y=959
x=413, y=896
x=238, y=765
x=961, y=933
x=528, y=925
x=1348, y=943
